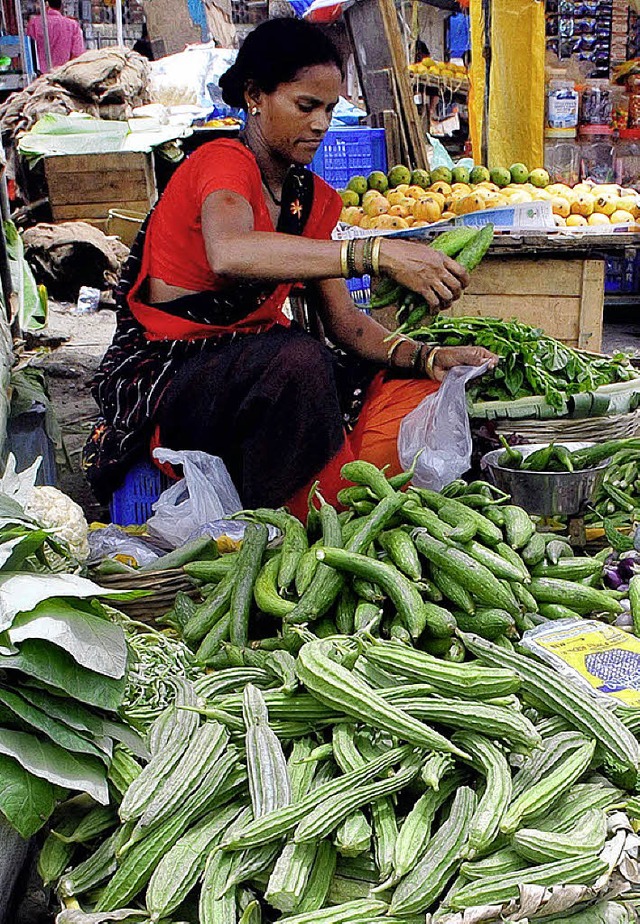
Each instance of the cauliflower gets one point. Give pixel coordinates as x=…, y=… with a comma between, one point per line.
x=53, y=510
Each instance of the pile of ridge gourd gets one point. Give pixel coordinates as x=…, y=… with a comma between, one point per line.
x=368, y=746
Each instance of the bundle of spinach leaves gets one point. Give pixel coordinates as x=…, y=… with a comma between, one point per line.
x=533, y=363
x=63, y=676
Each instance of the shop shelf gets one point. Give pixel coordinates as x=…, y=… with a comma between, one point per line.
x=131, y=503
x=346, y=152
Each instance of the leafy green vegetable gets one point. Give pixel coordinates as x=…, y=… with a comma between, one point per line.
x=56, y=668
x=50, y=762
x=533, y=363
x=32, y=303
x=39, y=721
x=26, y=801
x=95, y=643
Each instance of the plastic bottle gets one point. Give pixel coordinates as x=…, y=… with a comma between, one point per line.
x=561, y=157
x=627, y=160
x=562, y=104
x=597, y=153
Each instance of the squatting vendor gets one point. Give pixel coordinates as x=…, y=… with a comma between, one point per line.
x=204, y=356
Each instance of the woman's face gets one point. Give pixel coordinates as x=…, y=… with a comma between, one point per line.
x=294, y=119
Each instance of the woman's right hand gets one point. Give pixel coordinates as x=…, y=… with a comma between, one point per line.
x=434, y=276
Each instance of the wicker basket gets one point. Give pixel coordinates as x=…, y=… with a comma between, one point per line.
x=162, y=587
x=597, y=429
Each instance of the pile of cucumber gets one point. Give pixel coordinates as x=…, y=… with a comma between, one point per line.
x=410, y=565
x=360, y=782
x=467, y=245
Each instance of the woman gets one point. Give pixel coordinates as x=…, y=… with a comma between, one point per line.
x=204, y=356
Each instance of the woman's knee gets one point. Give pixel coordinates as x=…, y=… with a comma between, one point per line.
x=305, y=361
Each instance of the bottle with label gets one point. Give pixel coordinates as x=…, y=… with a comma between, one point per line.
x=562, y=105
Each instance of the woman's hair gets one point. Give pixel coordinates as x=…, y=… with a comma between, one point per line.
x=273, y=54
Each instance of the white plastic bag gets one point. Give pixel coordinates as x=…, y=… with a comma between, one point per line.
x=439, y=426
x=204, y=495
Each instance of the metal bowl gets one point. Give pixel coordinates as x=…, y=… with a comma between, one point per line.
x=547, y=493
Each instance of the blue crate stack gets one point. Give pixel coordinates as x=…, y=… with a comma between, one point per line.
x=131, y=504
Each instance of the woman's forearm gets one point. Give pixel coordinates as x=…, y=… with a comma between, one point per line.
x=274, y=257
x=359, y=333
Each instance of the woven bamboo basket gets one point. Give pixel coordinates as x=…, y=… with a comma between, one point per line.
x=162, y=587
x=597, y=429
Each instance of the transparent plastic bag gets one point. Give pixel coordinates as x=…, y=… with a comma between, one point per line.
x=439, y=426
x=205, y=494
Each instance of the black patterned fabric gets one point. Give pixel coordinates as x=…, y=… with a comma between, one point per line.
x=135, y=372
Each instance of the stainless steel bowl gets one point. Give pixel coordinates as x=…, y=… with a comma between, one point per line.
x=547, y=493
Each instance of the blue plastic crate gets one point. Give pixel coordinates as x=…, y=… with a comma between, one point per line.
x=360, y=289
x=623, y=273
x=347, y=152
x=131, y=503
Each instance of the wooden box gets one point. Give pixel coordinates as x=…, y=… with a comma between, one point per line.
x=565, y=297
x=85, y=186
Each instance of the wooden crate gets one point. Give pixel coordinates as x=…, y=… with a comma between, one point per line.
x=85, y=186
x=564, y=297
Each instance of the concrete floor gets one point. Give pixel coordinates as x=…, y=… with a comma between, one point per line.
x=621, y=330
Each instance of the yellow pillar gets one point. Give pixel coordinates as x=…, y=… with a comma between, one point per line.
x=517, y=88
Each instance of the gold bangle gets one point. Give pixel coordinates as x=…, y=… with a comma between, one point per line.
x=375, y=256
x=428, y=366
x=344, y=265
x=351, y=259
x=394, y=346
x=367, y=250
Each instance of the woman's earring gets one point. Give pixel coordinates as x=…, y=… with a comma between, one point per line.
x=254, y=111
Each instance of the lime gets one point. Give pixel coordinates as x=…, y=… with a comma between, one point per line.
x=519, y=173
x=539, y=178
x=378, y=181
x=500, y=176
x=349, y=198
x=479, y=175
x=441, y=175
x=460, y=175
x=421, y=178
x=358, y=184
x=398, y=175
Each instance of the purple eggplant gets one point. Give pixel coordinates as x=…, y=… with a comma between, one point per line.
x=611, y=578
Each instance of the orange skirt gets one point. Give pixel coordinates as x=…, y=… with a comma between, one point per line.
x=374, y=438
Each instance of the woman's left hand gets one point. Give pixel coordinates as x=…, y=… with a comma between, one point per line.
x=448, y=357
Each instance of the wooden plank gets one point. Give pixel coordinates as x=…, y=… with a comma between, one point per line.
x=65, y=189
x=93, y=210
x=558, y=317
x=591, y=305
x=526, y=277
x=408, y=110
x=97, y=163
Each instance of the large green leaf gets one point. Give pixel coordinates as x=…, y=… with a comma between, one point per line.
x=56, y=668
x=65, y=710
x=26, y=801
x=50, y=762
x=15, y=549
x=95, y=643
x=20, y=593
x=38, y=720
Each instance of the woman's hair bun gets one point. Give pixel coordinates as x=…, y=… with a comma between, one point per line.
x=232, y=84
x=273, y=53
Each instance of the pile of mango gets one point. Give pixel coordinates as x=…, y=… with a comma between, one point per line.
x=431, y=68
x=413, y=199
